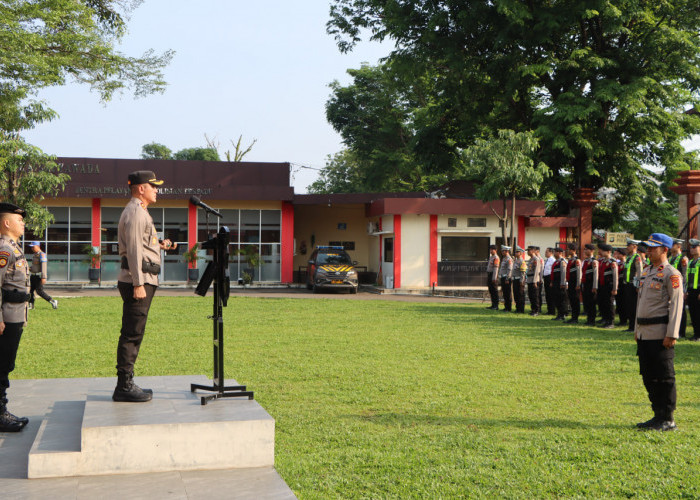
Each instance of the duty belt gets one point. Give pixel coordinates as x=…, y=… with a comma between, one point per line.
x=658, y=320
x=146, y=267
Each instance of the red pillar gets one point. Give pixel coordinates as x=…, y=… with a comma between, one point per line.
x=584, y=200
x=397, y=251
x=96, y=231
x=521, y=232
x=433, y=250
x=191, y=229
x=688, y=183
x=287, y=257
x=562, y=234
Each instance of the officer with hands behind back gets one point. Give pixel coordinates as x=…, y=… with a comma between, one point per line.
x=656, y=330
x=14, y=280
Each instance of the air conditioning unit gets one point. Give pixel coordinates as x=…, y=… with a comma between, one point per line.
x=372, y=227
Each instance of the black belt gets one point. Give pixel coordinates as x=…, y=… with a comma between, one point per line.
x=14, y=296
x=659, y=320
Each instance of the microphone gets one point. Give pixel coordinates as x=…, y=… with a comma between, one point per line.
x=199, y=203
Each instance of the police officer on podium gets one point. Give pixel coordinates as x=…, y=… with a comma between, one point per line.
x=656, y=331
x=14, y=281
x=139, y=249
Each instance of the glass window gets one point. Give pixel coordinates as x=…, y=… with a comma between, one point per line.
x=110, y=223
x=388, y=249
x=250, y=226
x=460, y=248
x=270, y=265
x=57, y=268
x=270, y=226
x=81, y=224
x=476, y=222
x=58, y=230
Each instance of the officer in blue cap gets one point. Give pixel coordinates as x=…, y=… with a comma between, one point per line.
x=39, y=275
x=656, y=330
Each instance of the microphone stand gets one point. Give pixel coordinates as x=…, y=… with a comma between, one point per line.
x=217, y=271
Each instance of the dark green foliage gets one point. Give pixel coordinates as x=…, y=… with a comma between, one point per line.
x=156, y=151
x=201, y=154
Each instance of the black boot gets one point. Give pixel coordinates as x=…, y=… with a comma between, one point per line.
x=8, y=422
x=127, y=391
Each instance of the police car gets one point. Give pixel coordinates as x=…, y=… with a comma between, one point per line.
x=331, y=267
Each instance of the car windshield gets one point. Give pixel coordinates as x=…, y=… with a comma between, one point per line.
x=333, y=258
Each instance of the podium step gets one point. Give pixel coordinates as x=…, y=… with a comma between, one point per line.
x=173, y=432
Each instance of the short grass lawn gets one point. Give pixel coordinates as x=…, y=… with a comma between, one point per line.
x=378, y=399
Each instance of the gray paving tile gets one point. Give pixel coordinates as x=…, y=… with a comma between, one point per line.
x=133, y=486
x=261, y=483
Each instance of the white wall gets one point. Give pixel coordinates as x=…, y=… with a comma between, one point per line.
x=542, y=237
x=415, y=250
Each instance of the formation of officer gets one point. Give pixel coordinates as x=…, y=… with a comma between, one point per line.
x=519, y=278
x=14, y=282
x=631, y=275
x=607, y=285
x=492, y=276
x=656, y=331
x=692, y=289
x=620, y=254
x=38, y=276
x=505, y=275
x=547, y=280
x=139, y=250
x=533, y=277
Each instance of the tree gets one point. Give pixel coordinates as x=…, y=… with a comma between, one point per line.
x=602, y=84
x=46, y=43
x=200, y=154
x=155, y=151
x=506, y=169
x=340, y=175
x=239, y=151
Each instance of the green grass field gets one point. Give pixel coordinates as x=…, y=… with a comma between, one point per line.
x=377, y=399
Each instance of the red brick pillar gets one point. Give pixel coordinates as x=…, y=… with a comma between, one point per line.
x=585, y=200
x=687, y=187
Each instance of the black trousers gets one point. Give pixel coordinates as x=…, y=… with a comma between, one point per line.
x=134, y=317
x=561, y=300
x=605, y=304
x=549, y=295
x=621, y=303
x=589, y=303
x=574, y=301
x=533, y=293
x=493, y=288
x=519, y=295
x=659, y=376
x=38, y=287
x=684, y=321
x=694, y=310
x=631, y=303
x=9, y=343
x=507, y=289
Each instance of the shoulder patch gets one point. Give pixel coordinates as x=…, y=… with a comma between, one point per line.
x=3, y=253
x=675, y=280
x=43, y=258
x=3, y=262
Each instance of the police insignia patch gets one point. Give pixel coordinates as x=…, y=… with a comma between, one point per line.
x=20, y=263
x=3, y=262
x=660, y=275
x=676, y=281
x=4, y=254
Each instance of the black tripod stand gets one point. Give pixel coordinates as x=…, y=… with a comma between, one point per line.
x=217, y=271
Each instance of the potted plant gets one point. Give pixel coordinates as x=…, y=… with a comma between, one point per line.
x=94, y=257
x=191, y=256
x=252, y=259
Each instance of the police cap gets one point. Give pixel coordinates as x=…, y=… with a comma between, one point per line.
x=571, y=246
x=589, y=246
x=693, y=242
x=557, y=249
x=605, y=247
x=678, y=241
x=143, y=177
x=659, y=240
x=11, y=208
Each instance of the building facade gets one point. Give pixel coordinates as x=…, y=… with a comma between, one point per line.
x=401, y=240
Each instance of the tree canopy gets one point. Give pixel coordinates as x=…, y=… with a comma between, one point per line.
x=604, y=85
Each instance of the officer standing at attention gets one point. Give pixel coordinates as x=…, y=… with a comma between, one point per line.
x=38, y=276
x=656, y=331
x=607, y=285
x=589, y=283
x=534, y=280
x=505, y=273
x=519, y=275
x=14, y=281
x=680, y=262
x=547, y=279
x=492, y=276
x=139, y=250
x=632, y=273
x=573, y=282
x=620, y=254
x=692, y=290
x=558, y=284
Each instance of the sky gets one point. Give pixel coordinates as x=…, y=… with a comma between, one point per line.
x=259, y=69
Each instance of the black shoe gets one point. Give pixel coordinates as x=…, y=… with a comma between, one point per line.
x=622, y=323
x=647, y=424
x=609, y=326
x=663, y=426
x=9, y=424
x=22, y=420
x=590, y=323
x=695, y=339
x=128, y=392
x=631, y=330
x=537, y=314
x=571, y=321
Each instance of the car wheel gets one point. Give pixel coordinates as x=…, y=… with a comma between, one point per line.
x=354, y=289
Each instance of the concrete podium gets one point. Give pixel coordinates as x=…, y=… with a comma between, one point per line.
x=171, y=432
